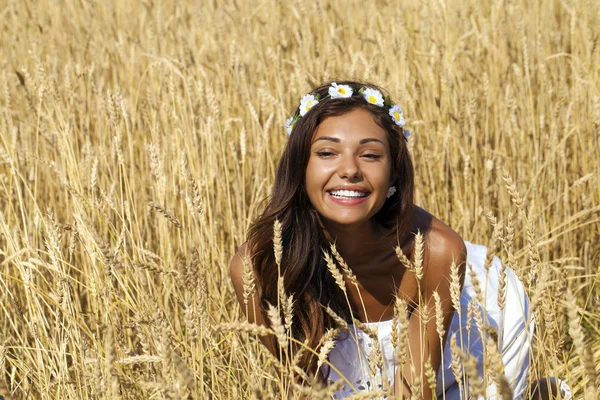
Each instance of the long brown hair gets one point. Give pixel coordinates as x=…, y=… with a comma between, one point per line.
x=304, y=271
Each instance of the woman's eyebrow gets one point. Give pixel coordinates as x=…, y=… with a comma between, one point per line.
x=331, y=139
x=367, y=140
x=336, y=140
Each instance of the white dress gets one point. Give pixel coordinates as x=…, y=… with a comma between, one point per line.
x=514, y=325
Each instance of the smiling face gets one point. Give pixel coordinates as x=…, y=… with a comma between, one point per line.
x=349, y=169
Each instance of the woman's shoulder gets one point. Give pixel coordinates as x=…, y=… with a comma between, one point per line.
x=236, y=266
x=440, y=238
x=442, y=245
x=436, y=233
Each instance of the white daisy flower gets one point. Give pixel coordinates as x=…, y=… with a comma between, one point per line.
x=340, y=91
x=307, y=102
x=289, y=125
x=373, y=96
x=396, y=114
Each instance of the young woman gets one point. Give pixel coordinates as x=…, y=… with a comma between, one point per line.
x=346, y=178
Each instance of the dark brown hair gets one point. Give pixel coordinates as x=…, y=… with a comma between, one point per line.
x=304, y=271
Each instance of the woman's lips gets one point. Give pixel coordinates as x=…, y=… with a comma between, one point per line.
x=347, y=201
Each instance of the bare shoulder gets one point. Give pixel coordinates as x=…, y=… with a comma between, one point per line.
x=442, y=242
x=239, y=262
x=249, y=302
x=236, y=266
x=443, y=246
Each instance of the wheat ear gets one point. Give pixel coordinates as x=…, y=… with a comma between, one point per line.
x=335, y=272
x=162, y=211
x=338, y=320
x=497, y=369
x=430, y=374
x=348, y=273
x=576, y=333
x=419, y=247
x=248, y=279
x=327, y=343
x=400, y=324
x=456, y=365
x=277, y=326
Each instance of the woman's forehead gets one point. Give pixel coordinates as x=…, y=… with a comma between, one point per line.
x=356, y=126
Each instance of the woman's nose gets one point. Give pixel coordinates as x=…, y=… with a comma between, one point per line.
x=349, y=168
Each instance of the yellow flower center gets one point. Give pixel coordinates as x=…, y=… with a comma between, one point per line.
x=396, y=115
x=372, y=99
x=341, y=90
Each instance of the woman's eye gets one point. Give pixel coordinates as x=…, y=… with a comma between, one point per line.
x=372, y=156
x=324, y=154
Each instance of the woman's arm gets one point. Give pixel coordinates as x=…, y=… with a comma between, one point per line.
x=442, y=247
x=253, y=311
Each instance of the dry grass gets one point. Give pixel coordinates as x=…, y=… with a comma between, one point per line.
x=138, y=140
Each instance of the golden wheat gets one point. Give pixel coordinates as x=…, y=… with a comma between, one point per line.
x=138, y=142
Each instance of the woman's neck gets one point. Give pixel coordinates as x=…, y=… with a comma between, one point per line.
x=356, y=243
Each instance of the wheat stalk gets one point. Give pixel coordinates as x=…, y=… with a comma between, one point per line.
x=399, y=336
x=439, y=316
x=476, y=387
x=456, y=364
x=416, y=386
x=245, y=327
x=335, y=272
x=576, y=333
x=198, y=128
x=338, y=320
x=455, y=286
x=277, y=326
x=326, y=344
x=496, y=369
x=345, y=269
x=493, y=245
x=277, y=244
x=404, y=260
x=349, y=274
x=109, y=361
x=431, y=375
x=419, y=248
x=512, y=190
x=162, y=211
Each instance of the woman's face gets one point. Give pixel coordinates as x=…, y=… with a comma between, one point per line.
x=349, y=169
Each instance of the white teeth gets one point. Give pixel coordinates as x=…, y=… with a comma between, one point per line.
x=348, y=193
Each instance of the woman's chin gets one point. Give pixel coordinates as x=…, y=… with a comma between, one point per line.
x=348, y=222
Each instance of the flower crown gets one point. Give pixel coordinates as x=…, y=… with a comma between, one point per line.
x=371, y=96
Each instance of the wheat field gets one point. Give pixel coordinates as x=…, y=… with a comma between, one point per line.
x=139, y=139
